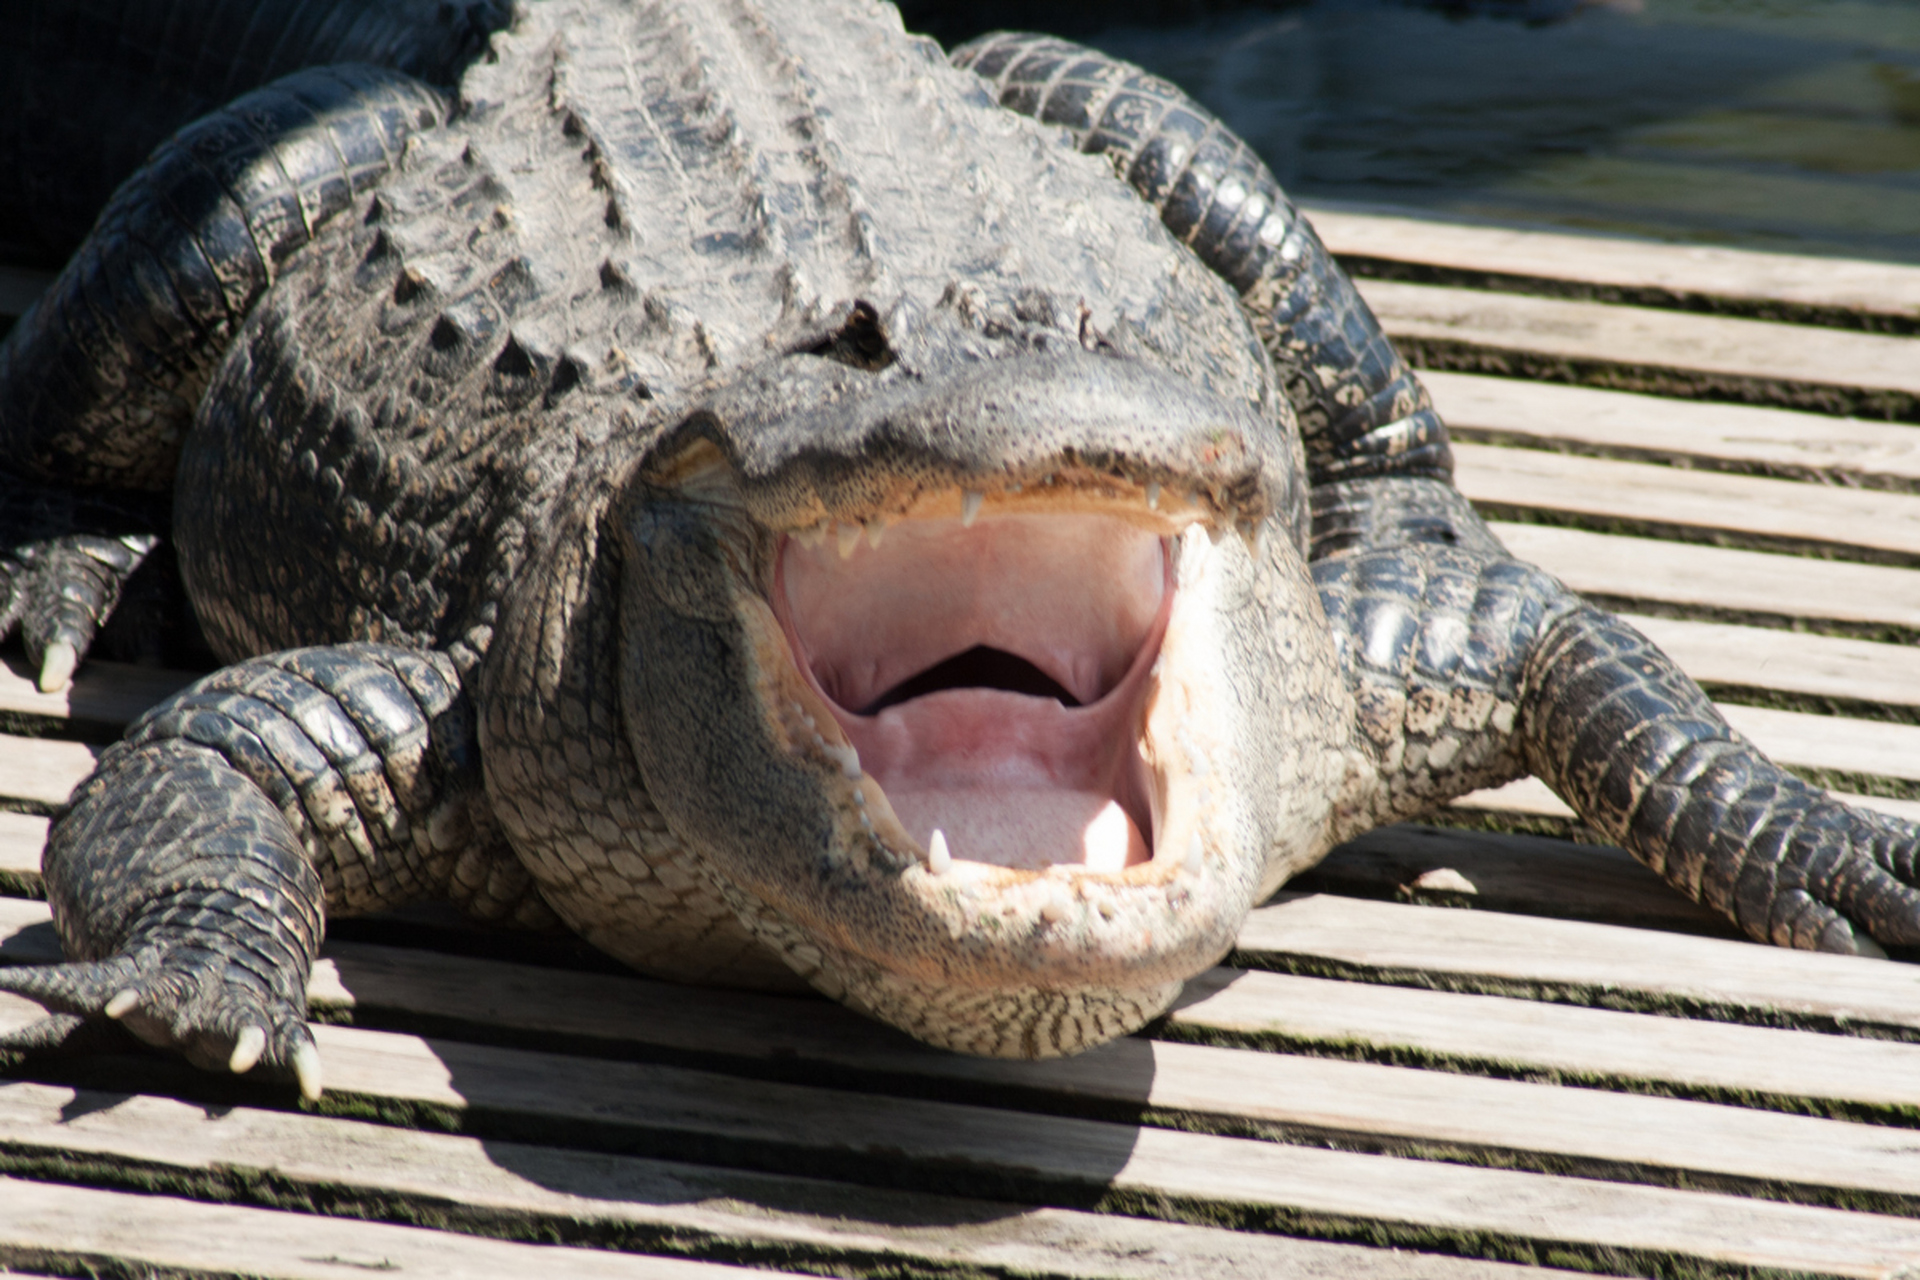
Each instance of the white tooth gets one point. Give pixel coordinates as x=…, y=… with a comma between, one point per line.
x=848, y=537
x=1053, y=911
x=1153, y=497
x=970, y=508
x=1215, y=532
x=939, y=858
x=876, y=529
x=847, y=756
x=1193, y=855
x=1047, y=478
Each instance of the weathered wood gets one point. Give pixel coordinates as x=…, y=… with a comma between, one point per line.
x=96, y=1232
x=511, y=1189
x=108, y=693
x=1777, y=363
x=1302, y=1099
x=1790, y=661
x=1740, y=981
x=934, y=1146
x=1310, y=1099
x=1499, y=872
x=1530, y=797
x=1769, y=511
x=1562, y=1044
x=43, y=770
x=1686, y=271
x=1722, y=579
x=1801, y=446
x=22, y=837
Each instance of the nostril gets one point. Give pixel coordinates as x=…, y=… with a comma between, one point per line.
x=980, y=667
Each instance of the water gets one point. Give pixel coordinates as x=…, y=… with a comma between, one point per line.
x=1791, y=125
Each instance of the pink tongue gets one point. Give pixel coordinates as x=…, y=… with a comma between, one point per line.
x=1007, y=778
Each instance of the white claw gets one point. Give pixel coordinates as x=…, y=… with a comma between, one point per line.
x=56, y=666
x=122, y=1004
x=970, y=508
x=247, y=1050
x=1153, y=496
x=847, y=537
x=1865, y=946
x=939, y=857
x=306, y=1069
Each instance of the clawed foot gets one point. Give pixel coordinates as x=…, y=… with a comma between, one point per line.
x=60, y=590
x=216, y=1019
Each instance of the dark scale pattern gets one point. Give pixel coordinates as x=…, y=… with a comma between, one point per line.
x=1638, y=749
x=199, y=860
x=1361, y=411
x=122, y=345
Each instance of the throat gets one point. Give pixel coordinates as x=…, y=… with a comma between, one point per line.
x=993, y=678
x=980, y=667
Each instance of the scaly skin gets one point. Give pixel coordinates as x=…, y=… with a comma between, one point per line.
x=518, y=458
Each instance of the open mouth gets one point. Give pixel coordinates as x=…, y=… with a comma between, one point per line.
x=993, y=676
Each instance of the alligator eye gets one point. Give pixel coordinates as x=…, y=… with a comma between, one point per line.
x=991, y=672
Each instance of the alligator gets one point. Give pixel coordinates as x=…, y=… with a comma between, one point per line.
x=800, y=509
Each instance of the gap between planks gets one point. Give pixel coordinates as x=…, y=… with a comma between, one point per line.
x=100, y=1232
x=1778, y=362
x=1860, y=523
x=656, y=1110
x=1687, y=271
x=1280, y=1094
x=494, y=1187
x=1783, y=442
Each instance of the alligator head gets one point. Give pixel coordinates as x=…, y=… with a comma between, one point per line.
x=992, y=699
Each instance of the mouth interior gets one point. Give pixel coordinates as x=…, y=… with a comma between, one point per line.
x=993, y=677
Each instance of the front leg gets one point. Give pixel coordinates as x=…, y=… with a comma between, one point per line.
x=191, y=876
x=1470, y=668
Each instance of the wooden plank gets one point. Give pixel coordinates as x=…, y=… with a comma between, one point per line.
x=43, y=770
x=22, y=837
x=1756, y=507
x=1720, y=578
x=19, y=286
x=1712, y=353
x=505, y=1188
x=1284, y=1095
x=1560, y=1045
x=1784, y=442
x=1830, y=742
x=1739, y=981
x=1877, y=288
x=1790, y=661
x=933, y=1145
x=1495, y=871
x=43, y=1224
x=1530, y=797
x=108, y=693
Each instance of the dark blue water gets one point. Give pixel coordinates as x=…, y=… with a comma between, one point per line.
x=1777, y=124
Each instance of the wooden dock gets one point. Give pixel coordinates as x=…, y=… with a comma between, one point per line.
x=1473, y=1050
